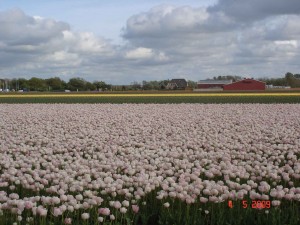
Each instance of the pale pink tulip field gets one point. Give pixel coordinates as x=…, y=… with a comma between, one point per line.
x=149, y=164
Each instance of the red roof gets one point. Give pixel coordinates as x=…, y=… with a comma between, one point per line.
x=246, y=84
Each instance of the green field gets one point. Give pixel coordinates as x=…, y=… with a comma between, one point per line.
x=153, y=99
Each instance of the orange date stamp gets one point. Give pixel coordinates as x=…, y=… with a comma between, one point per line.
x=254, y=204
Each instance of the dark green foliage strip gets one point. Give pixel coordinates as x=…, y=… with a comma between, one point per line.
x=179, y=213
x=159, y=100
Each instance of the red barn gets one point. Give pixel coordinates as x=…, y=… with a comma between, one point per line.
x=247, y=85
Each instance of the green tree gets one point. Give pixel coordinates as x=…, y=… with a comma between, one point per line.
x=291, y=80
x=155, y=85
x=37, y=84
x=146, y=85
x=23, y=84
x=163, y=84
x=192, y=84
x=274, y=81
x=76, y=83
x=101, y=85
x=135, y=85
x=55, y=84
x=90, y=86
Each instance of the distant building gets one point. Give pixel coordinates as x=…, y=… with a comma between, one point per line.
x=271, y=86
x=203, y=84
x=177, y=84
x=246, y=85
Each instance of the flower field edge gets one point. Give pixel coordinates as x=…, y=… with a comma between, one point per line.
x=148, y=164
x=117, y=99
x=148, y=95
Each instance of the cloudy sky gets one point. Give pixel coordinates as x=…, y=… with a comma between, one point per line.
x=124, y=41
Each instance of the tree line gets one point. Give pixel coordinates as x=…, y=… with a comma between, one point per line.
x=292, y=80
x=53, y=84
x=80, y=84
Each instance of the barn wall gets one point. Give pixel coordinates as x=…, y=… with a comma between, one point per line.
x=247, y=84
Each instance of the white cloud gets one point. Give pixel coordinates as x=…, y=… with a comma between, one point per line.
x=139, y=53
x=40, y=45
x=254, y=10
x=290, y=43
x=169, y=19
x=63, y=58
x=216, y=43
x=19, y=29
x=162, y=43
x=86, y=42
x=146, y=54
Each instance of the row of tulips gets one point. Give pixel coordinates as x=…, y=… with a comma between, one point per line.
x=149, y=164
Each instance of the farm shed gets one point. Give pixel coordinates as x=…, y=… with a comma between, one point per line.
x=246, y=84
x=177, y=84
x=203, y=84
